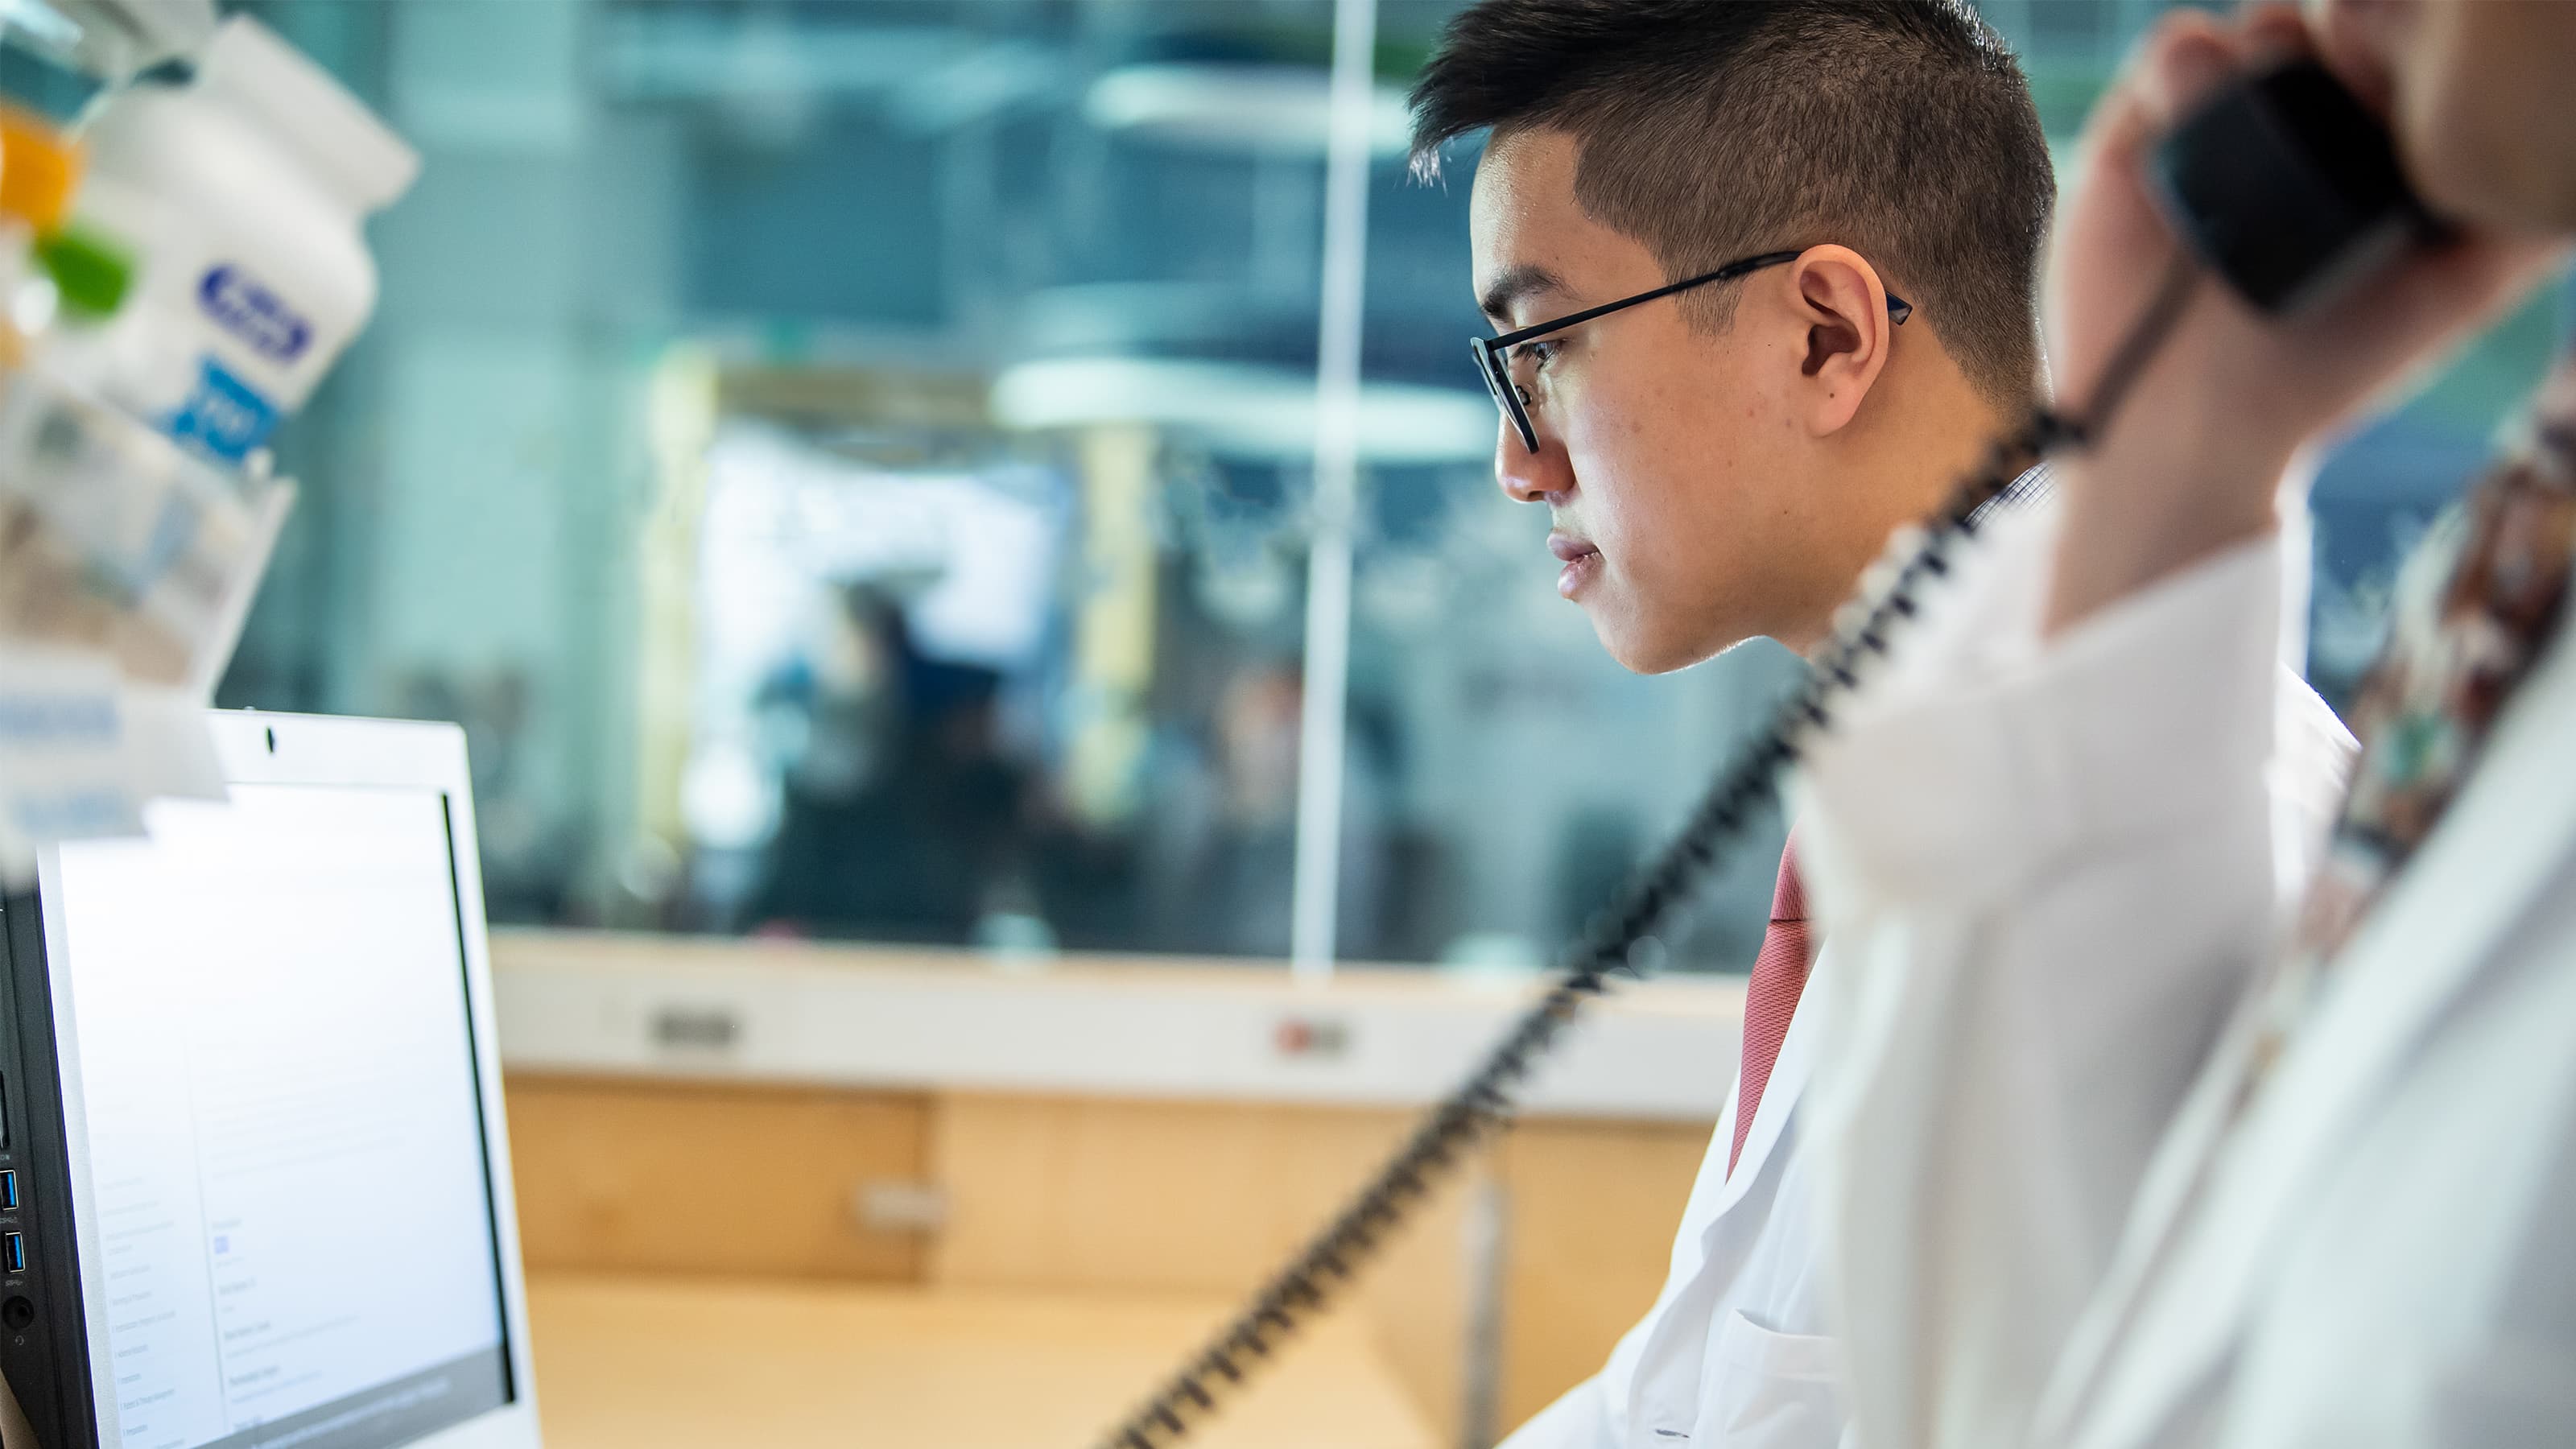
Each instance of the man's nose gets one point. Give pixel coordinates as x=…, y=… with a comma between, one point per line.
x=1530, y=477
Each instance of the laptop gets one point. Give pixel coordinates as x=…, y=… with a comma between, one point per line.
x=254, y=1179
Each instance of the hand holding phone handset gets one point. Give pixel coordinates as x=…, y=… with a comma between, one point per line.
x=2260, y=179
x=2287, y=137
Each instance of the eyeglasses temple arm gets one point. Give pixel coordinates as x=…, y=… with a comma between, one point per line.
x=1897, y=307
x=1725, y=273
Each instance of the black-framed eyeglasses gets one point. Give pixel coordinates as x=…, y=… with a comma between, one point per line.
x=1493, y=354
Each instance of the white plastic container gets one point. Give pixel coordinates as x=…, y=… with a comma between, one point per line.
x=240, y=197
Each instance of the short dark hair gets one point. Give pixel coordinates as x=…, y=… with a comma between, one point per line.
x=1714, y=129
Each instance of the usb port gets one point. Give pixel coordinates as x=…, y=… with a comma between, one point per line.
x=8, y=1189
x=13, y=1252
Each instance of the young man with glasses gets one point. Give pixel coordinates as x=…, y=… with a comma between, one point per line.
x=1701, y=231
x=1763, y=281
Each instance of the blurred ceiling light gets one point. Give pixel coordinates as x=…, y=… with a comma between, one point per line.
x=928, y=78
x=993, y=79
x=1242, y=410
x=671, y=53
x=1228, y=106
x=766, y=97
x=1090, y=318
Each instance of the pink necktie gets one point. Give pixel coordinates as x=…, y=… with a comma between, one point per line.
x=1771, y=996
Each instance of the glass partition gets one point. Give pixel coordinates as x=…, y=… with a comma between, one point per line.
x=851, y=467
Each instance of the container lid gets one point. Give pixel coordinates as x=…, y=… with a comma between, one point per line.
x=39, y=169
x=112, y=39
x=249, y=67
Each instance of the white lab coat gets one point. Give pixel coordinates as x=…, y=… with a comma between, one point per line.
x=2043, y=1235
x=1734, y=1352
x=1737, y=1352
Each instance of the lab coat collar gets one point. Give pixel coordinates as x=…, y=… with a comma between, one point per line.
x=2507, y=836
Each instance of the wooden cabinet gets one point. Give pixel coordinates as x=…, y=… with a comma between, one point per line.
x=1079, y=1196
x=643, y=1177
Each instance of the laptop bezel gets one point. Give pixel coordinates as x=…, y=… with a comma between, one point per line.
x=256, y=748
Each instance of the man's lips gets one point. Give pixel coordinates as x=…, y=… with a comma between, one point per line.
x=1581, y=560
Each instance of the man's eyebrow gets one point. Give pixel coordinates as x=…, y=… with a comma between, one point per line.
x=1517, y=284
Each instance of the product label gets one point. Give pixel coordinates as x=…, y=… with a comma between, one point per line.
x=224, y=417
x=246, y=308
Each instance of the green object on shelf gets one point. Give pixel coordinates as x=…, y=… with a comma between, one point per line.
x=91, y=272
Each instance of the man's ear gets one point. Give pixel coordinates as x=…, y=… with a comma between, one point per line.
x=1844, y=305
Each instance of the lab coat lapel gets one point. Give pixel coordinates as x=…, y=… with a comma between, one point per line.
x=2504, y=839
x=1716, y=1192
x=1788, y=1081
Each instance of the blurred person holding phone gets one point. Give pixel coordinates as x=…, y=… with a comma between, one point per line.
x=1763, y=277
x=2070, y=1203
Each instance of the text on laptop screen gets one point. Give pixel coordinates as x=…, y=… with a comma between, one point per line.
x=291, y=1238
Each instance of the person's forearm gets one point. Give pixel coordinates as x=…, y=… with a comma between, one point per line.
x=2158, y=497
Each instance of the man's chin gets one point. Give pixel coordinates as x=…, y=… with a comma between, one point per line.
x=1648, y=651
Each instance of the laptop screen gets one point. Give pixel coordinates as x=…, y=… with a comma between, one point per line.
x=289, y=1236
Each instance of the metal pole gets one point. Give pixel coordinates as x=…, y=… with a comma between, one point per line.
x=1485, y=1245
x=1316, y=905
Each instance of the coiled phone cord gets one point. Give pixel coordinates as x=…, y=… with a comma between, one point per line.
x=1331, y=1260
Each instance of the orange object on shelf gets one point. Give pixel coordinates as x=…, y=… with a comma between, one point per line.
x=40, y=168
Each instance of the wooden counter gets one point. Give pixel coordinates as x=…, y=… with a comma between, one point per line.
x=626, y=1363
x=1113, y=1126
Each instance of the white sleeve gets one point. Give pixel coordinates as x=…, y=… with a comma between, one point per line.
x=1577, y=1420
x=2047, y=867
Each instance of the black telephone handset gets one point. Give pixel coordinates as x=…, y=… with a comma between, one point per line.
x=2286, y=188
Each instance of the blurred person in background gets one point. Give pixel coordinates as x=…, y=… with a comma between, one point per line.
x=1230, y=837
x=901, y=819
x=1764, y=277
x=2080, y=1196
